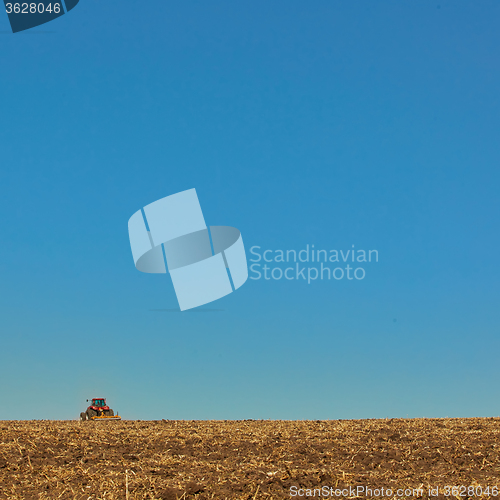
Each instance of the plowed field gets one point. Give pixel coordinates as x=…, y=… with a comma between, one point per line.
x=249, y=459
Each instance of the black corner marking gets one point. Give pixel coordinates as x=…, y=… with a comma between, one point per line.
x=70, y=4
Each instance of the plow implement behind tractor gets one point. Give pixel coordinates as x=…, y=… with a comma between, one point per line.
x=106, y=417
x=98, y=410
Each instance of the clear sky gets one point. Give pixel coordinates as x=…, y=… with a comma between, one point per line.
x=333, y=123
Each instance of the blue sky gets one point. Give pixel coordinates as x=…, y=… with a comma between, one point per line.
x=328, y=123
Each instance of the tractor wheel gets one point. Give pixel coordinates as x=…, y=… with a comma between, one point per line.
x=91, y=413
x=83, y=416
x=111, y=413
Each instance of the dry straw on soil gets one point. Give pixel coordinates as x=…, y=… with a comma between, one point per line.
x=242, y=459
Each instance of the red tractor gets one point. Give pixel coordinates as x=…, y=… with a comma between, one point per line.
x=98, y=410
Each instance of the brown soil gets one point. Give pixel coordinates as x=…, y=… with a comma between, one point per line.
x=251, y=460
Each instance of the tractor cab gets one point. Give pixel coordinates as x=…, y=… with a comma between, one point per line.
x=98, y=402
